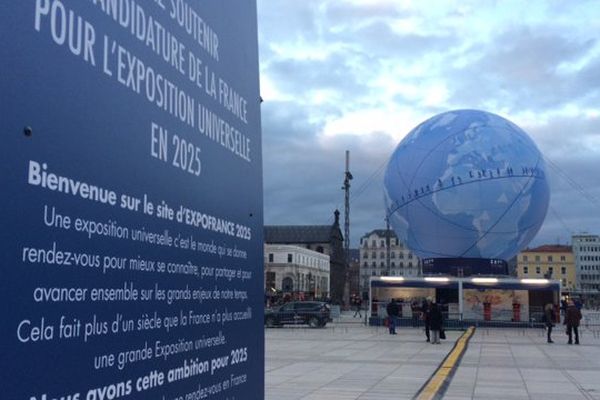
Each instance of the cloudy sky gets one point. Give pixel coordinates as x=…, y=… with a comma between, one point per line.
x=358, y=75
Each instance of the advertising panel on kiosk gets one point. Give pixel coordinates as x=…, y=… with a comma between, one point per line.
x=131, y=261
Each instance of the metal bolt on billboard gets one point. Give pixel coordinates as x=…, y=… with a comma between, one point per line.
x=131, y=261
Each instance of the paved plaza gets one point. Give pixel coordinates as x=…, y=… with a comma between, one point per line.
x=347, y=360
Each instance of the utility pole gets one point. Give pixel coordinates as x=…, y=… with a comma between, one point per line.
x=347, y=178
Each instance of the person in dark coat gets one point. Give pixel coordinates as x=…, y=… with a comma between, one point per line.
x=549, y=320
x=393, y=311
x=572, y=318
x=436, y=322
x=426, y=318
x=357, y=305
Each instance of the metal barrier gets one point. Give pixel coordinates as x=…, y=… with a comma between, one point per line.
x=335, y=311
x=499, y=318
x=591, y=322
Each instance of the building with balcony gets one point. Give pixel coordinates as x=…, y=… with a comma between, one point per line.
x=374, y=257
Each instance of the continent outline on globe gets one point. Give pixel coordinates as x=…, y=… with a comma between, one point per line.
x=466, y=183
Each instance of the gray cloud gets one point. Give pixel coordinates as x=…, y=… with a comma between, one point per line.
x=303, y=176
x=336, y=72
x=284, y=20
x=337, y=12
x=572, y=166
x=378, y=40
x=520, y=69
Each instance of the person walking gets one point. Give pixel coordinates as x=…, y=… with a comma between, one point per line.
x=393, y=311
x=572, y=319
x=549, y=320
x=357, y=304
x=425, y=315
x=436, y=322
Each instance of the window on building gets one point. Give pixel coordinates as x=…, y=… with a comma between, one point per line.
x=526, y=270
x=270, y=280
x=524, y=258
x=382, y=254
x=373, y=255
x=401, y=264
x=563, y=270
x=410, y=256
x=538, y=270
x=401, y=256
x=373, y=264
x=382, y=264
x=563, y=258
x=550, y=270
x=393, y=264
x=410, y=264
x=382, y=243
x=270, y=257
x=290, y=258
x=393, y=255
x=549, y=258
x=366, y=264
x=537, y=258
x=320, y=249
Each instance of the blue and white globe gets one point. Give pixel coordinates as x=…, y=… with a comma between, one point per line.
x=466, y=183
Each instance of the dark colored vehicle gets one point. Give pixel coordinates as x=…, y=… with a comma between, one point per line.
x=313, y=313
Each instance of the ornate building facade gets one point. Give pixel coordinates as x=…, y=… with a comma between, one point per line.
x=326, y=239
x=374, y=257
x=294, y=269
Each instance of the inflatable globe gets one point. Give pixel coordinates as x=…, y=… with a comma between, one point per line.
x=467, y=184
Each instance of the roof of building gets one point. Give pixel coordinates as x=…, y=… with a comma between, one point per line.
x=550, y=248
x=381, y=233
x=298, y=233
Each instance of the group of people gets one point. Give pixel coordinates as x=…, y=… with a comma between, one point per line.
x=430, y=313
x=433, y=319
x=572, y=318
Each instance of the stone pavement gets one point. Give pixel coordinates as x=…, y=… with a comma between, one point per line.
x=346, y=361
x=519, y=364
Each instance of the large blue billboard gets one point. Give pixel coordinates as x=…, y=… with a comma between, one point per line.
x=131, y=262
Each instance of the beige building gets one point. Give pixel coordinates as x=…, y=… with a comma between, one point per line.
x=549, y=261
x=294, y=269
